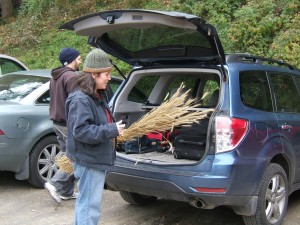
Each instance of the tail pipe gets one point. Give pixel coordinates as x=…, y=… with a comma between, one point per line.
x=197, y=203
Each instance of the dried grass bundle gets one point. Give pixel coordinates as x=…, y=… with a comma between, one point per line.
x=178, y=110
x=64, y=163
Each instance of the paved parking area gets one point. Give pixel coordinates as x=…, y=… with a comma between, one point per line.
x=20, y=203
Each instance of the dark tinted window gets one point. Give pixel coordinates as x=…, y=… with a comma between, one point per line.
x=8, y=66
x=188, y=82
x=136, y=40
x=114, y=84
x=210, y=94
x=142, y=89
x=44, y=99
x=297, y=80
x=255, y=92
x=286, y=93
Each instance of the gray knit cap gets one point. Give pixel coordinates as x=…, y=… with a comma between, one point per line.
x=96, y=61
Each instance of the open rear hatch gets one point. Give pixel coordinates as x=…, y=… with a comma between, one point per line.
x=168, y=48
x=140, y=37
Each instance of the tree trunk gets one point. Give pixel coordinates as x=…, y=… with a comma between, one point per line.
x=6, y=8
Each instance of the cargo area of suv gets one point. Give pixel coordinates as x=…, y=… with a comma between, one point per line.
x=148, y=89
x=244, y=154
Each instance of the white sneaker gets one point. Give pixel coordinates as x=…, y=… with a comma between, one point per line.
x=53, y=192
x=73, y=196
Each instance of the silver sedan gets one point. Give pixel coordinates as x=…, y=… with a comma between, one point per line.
x=28, y=145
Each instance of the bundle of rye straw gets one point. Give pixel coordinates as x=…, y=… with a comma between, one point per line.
x=179, y=110
x=64, y=163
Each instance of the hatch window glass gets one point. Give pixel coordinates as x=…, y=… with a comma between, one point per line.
x=286, y=93
x=255, y=91
x=136, y=40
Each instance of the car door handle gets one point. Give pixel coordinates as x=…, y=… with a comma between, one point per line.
x=286, y=127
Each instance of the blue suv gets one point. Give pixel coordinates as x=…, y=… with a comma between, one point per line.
x=246, y=155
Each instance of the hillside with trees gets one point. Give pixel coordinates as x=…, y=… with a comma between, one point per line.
x=269, y=28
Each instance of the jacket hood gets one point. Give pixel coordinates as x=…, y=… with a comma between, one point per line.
x=57, y=72
x=75, y=94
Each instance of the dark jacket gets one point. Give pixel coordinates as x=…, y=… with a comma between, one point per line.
x=61, y=85
x=90, y=136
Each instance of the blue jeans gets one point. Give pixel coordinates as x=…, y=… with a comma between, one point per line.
x=88, y=203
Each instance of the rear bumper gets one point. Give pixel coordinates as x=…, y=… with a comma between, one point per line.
x=222, y=179
x=243, y=205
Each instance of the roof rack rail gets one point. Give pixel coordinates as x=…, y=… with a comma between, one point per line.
x=246, y=57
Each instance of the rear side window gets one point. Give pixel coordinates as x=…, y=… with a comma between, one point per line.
x=190, y=83
x=114, y=84
x=8, y=66
x=142, y=89
x=255, y=91
x=44, y=99
x=297, y=80
x=210, y=94
x=286, y=93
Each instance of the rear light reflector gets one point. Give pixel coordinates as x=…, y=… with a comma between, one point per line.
x=229, y=132
x=210, y=190
x=1, y=132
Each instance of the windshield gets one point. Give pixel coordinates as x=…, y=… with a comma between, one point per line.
x=16, y=87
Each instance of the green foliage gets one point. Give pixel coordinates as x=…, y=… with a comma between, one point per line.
x=41, y=8
x=286, y=44
x=220, y=14
x=131, y=4
x=52, y=44
x=35, y=8
x=263, y=27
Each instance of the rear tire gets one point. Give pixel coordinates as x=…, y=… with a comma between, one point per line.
x=272, y=198
x=137, y=199
x=42, y=161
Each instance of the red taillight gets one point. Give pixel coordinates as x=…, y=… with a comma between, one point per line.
x=229, y=132
x=1, y=132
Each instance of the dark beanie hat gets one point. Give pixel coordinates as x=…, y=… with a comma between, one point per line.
x=68, y=55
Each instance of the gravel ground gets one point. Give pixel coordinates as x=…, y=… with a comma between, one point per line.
x=23, y=204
